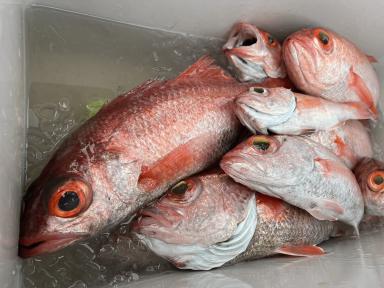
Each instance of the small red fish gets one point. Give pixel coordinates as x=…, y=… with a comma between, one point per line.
x=254, y=53
x=299, y=171
x=128, y=154
x=281, y=111
x=207, y=221
x=322, y=63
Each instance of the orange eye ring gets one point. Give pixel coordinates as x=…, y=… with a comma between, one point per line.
x=70, y=199
x=324, y=39
x=376, y=181
x=264, y=144
x=270, y=40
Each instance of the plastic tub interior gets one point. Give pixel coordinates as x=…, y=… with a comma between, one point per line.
x=349, y=263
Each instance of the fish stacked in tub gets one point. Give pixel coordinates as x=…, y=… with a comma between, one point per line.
x=285, y=189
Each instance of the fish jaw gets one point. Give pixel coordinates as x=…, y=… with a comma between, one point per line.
x=205, y=257
x=260, y=112
x=373, y=199
x=207, y=212
x=32, y=246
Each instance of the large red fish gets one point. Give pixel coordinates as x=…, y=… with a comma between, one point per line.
x=322, y=63
x=130, y=153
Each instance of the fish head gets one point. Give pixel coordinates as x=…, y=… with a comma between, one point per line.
x=254, y=53
x=370, y=176
x=74, y=198
x=201, y=210
x=264, y=162
x=261, y=108
x=315, y=60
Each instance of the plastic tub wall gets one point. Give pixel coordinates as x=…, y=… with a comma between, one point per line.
x=361, y=21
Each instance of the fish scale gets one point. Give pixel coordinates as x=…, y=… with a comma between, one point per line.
x=294, y=227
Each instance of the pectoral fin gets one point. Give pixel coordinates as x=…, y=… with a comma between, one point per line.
x=358, y=85
x=323, y=209
x=372, y=59
x=309, y=250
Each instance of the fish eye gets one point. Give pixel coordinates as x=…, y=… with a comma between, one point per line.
x=259, y=90
x=180, y=188
x=376, y=181
x=264, y=144
x=70, y=199
x=271, y=40
x=261, y=145
x=324, y=39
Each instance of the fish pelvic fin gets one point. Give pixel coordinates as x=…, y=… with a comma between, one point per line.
x=303, y=251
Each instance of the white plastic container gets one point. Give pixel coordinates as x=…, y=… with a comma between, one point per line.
x=352, y=263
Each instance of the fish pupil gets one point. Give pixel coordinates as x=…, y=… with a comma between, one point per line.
x=323, y=38
x=69, y=201
x=378, y=180
x=258, y=90
x=249, y=42
x=261, y=145
x=180, y=188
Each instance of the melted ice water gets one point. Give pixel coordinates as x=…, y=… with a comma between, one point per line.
x=74, y=60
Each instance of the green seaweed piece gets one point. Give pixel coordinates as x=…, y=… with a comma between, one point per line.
x=94, y=106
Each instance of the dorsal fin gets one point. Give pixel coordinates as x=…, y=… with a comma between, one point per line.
x=204, y=69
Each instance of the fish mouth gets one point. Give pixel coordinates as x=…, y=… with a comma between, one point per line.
x=29, y=247
x=250, y=70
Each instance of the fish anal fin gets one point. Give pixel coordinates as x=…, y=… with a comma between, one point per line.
x=204, y=69
x=361, y=89
x=371, y=58
x=303, y=251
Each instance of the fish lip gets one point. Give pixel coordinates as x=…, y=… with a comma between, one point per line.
x=32, y=246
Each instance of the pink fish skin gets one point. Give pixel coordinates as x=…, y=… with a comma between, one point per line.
x=299, y=171
x=370, y=175
x=281, y=111
x=350, y=141
x=254, y=53
x=128, y=154
x=186, y=224
x=322, y=63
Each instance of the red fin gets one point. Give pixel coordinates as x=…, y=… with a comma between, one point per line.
x=271, y=208
x=322, y=205
x=309, y=250
x=362, y=90
x=173, y=166
x=204, y=69
x=343, y=150
x=372, y=59
x=330, y=167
